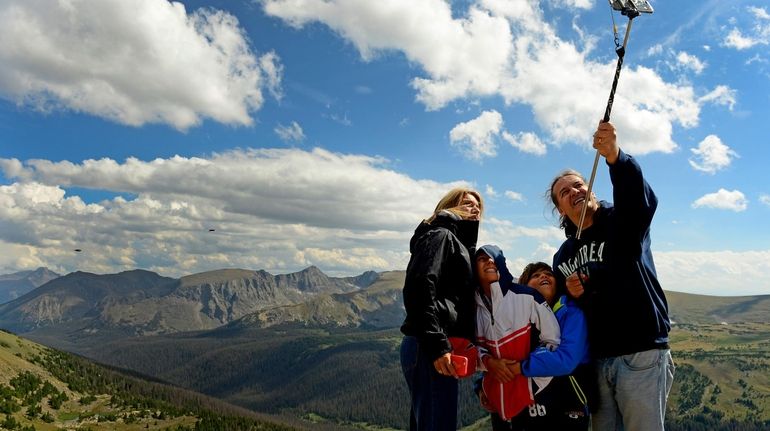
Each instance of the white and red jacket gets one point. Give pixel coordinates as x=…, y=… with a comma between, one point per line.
x=508, y=325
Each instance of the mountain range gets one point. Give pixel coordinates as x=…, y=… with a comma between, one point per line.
x=141, y=302
x=312, y=346
x=83, y=306
x=17, y=284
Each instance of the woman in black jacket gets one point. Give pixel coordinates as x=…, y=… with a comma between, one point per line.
x=439, y=302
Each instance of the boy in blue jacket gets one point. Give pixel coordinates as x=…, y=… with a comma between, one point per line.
x=563, y=405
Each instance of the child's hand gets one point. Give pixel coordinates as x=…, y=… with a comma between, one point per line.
x=501, y=369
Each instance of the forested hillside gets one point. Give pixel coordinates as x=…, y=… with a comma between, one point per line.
x=44, y=389
x=352, y=375
x=332, y=360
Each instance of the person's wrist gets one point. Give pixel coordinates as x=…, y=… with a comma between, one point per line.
x=485, y=361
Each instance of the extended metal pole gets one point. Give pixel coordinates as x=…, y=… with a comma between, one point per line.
x=621, y=53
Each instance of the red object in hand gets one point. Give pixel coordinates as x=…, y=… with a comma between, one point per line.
x=463, y=347
x=461, y=365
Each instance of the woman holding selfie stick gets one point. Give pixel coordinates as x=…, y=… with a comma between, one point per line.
x=438, y=298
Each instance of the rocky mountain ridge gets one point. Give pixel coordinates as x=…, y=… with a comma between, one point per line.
x=141, y=302
x=19, y=283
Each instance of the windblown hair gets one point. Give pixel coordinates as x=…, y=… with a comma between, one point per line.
x=534, y=267
x=564, y=221
x=531, y=269
x=452, y=202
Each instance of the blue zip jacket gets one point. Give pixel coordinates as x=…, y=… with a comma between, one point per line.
x=573, y=349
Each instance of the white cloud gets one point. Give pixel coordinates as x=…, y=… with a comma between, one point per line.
x=494, y=227
x=476, y=138
x=514, y=196
x=277, y=209
x=758, y=31
x=505, y=48
x=654, y=50
x=580, y=4
x=720, y=95
x=710, y=273
x=759, y=13
x=765, y=199
x=292, y=132
x=138, y=62
x=736, y=39
x=272, y=69
x=490, y=191
x=521, y=244
x=756, y=58
x=690, y=62
x=526, y=142
x=712, y=155
x=723, y=200
x=469, y=60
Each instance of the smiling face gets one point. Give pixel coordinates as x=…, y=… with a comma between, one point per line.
x=569, y=193
x=544, y=282
x=486, y=270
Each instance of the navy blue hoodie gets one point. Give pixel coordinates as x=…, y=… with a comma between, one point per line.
x=624, y=303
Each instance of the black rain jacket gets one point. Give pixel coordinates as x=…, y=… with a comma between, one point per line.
x=438, y=290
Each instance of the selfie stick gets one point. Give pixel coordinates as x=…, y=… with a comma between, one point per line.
x=631, y=11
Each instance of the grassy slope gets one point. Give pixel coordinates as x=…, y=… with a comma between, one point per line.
x=736, y=357
x=14, y=352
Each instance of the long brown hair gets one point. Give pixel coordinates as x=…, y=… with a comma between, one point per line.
x=452, y=202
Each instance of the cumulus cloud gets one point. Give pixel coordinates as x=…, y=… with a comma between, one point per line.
x=490, y=192
x=277, y=209
x=758, y=32
x=138, y=62
x=508, y=49
x=526, y=142
x=723, y=200
x=759, y=13
x=765, y=199
x=711, y=155
x=709, y=273
x=470, y=58
x=720, y=95
x=476, y=139
x=290, y=133
x=691, y=62
x=736, y=39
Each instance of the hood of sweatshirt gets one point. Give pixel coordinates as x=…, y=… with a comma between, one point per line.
x=493, y=251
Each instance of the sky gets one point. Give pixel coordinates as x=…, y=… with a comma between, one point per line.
x=181, y=137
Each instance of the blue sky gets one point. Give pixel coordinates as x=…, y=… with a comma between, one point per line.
x=309, y=132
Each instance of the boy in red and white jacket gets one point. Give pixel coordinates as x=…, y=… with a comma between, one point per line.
x=510, y=319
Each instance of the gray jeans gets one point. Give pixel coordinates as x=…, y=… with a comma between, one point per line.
x=633, y=390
